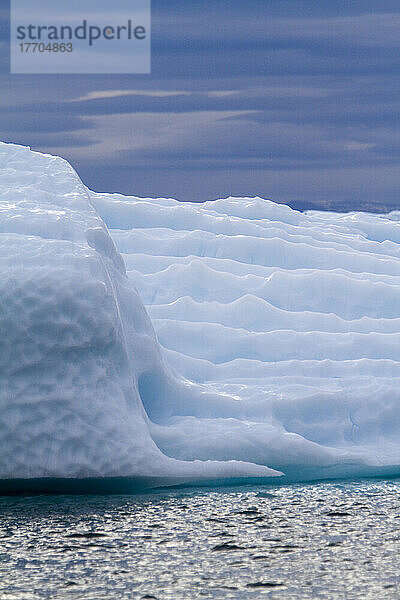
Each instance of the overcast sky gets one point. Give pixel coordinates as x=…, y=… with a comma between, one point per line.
x=297, y=101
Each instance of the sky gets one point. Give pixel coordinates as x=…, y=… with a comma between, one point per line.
x=293, y=100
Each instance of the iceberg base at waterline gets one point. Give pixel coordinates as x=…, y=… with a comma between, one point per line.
x=274, y=354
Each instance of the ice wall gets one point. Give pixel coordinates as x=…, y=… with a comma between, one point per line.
x=78, y=355
x=294, y=314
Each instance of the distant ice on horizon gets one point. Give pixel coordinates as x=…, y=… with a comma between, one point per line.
x=276, y=346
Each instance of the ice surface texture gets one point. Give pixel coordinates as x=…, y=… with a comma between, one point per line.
x=295, y=315
x=278, y=334
x=75, y=340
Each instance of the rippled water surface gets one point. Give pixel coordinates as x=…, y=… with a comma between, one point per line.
x=325, y=540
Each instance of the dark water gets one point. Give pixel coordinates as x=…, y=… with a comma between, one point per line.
x=323, y=540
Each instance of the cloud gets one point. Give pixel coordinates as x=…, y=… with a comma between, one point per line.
x=106, y=94
x=358, y=146
x=156, y=133
x=224, y=140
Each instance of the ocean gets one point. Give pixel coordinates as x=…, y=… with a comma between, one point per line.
x=317, y=540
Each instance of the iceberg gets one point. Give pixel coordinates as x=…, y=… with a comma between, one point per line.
x=175, y=342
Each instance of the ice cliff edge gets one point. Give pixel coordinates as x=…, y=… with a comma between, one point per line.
x=75, y=339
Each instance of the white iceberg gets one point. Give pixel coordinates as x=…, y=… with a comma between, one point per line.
x=278, y=335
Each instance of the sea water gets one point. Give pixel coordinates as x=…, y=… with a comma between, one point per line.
x=322, y=540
